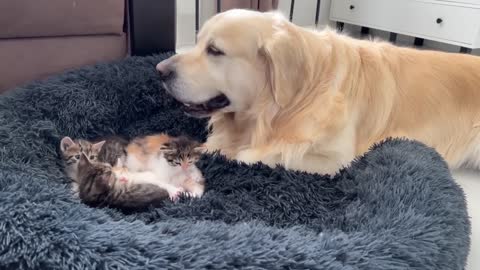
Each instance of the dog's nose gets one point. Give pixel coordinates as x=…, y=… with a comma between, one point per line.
x=165, y=70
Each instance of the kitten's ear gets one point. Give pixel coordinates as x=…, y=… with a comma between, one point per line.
x=166, y=147
x=98, y=146
x=66, y=143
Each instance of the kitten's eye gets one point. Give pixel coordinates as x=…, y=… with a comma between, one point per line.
x=77, y=156
x=92, y=157
x=212, y=50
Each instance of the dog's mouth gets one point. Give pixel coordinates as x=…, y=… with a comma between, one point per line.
x=205, y=109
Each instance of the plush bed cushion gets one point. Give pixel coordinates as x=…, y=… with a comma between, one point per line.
x=395, y=208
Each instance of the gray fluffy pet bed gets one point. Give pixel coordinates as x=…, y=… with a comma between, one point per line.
x=395, y=208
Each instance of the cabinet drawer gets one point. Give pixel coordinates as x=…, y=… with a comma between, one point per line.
x=462, y=2
x=431, y=20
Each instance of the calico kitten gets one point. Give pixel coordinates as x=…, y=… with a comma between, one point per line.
x=182, y=153
x=170, y=157
x=71, y=151
x=102, y=185
x=142, y=151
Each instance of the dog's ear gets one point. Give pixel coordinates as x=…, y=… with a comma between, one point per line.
x=284, y=53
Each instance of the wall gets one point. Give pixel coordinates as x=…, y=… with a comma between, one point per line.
x=304, y=15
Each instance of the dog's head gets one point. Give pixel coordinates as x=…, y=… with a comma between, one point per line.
x=240, y=57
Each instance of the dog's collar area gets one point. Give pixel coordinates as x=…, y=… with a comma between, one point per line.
x=201, y=110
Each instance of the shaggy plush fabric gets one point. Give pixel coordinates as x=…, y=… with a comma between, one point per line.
x=395, y=208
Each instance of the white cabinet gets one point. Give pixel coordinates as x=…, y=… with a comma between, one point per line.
x=454, y=21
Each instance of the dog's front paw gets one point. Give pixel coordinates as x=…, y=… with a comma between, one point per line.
x=248, y=156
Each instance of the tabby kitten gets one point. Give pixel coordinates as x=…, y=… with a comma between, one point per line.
x=108, y=150
x=71, y=151
x=102, y=185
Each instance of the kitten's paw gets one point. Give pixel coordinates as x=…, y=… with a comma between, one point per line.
x=175, y=193
x=196, y=194
x=189, y=194
x=195, y=190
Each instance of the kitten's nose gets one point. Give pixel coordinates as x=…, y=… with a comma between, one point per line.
x=184, y=165
x=166, y=70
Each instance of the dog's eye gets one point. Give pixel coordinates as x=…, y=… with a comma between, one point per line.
x=212, y=50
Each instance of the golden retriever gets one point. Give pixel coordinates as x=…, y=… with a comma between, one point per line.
x=314, y=100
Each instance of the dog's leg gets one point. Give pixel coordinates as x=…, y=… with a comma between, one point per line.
x=309, y=162
x=322, y=164
x=251, y=156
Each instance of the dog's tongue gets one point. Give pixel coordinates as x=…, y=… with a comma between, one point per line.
x=217, y=102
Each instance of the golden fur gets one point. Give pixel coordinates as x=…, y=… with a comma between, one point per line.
x=313, y=100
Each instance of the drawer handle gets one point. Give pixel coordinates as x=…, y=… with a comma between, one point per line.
x=352, y=7
x=439, y=20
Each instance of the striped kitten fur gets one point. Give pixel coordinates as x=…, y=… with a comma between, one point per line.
x=71, y=151
x=100, y=184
